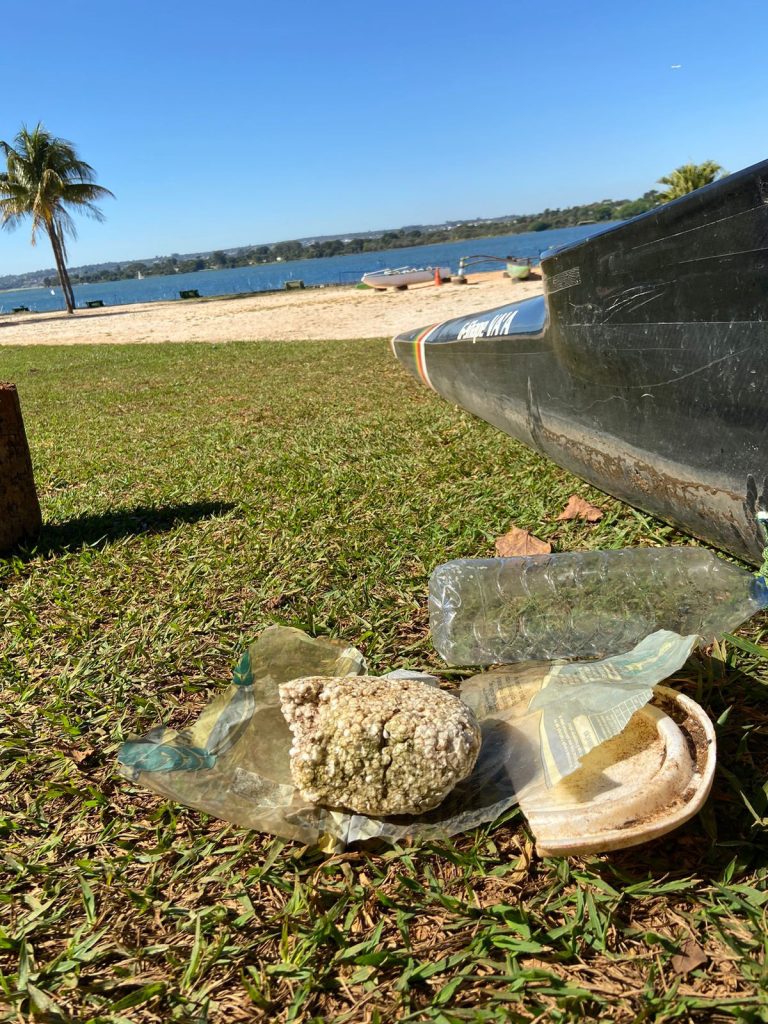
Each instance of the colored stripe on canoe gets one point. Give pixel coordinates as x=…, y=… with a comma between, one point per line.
x=421, y=355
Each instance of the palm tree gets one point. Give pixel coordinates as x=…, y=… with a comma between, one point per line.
x=688, y=178
x=44, y=176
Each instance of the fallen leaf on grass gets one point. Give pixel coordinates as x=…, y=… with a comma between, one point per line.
x=691, y=957
x=81, y=754
x=579, y=508
x=86, y=759
x=520, y=542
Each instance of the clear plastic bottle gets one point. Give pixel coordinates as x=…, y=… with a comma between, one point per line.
x=584, y=604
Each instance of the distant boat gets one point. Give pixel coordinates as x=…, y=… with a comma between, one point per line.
x=519, y=267
x=139, y=276
x=403, y=276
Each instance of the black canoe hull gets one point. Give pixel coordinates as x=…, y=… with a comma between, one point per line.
x=643, y=368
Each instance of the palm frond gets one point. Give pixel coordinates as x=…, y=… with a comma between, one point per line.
x=688, y=178
x=85, y=194
x=10, y=219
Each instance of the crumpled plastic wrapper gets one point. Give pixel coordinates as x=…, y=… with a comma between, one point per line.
x=561, y=710
x=234, y=761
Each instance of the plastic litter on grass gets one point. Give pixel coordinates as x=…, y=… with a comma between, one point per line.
x=538, y=722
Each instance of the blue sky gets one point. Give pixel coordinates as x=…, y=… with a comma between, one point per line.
x=231, y=123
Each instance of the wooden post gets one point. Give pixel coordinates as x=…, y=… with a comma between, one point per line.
x=20, y=517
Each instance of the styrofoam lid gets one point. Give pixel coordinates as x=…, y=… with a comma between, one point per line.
x=648, y=780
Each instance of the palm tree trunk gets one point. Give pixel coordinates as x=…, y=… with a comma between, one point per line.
x=20, y=516
x=66, y=284
x=63, y=254
x=57, y=258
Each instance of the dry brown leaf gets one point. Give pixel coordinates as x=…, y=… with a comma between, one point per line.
x=81, y=754
x=691, y=957
x=520, y=542
x=579, y=508
x=86, y=759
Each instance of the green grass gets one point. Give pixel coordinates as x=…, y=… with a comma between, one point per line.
x=193, y=495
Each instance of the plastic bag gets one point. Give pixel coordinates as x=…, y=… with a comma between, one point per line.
x=564, y=709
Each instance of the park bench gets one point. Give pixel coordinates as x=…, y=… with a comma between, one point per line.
x=189, y=293
x=94, y=304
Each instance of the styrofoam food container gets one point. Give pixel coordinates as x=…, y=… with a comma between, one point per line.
x=641, y=784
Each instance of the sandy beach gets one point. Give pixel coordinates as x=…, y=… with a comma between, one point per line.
x=312, y=314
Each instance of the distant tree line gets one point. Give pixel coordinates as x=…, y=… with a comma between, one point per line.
x=606, y=210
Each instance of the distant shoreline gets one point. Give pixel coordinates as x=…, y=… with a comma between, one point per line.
x=608, y=211
x=339, y=270
x=313, y=314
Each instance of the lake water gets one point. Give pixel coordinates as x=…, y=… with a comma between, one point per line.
x=268, y=276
